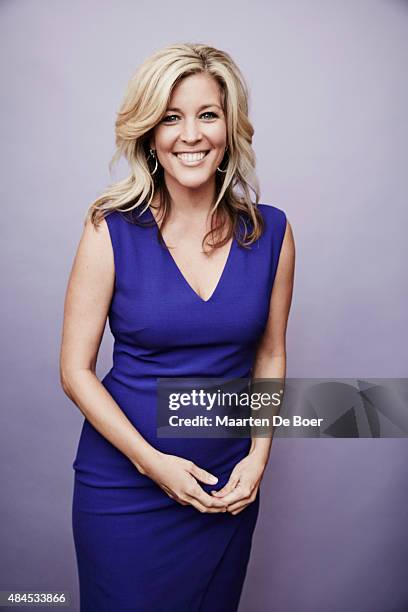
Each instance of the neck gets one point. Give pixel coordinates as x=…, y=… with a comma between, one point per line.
x=187, y=201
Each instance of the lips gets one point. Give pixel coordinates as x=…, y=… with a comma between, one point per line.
x=198, y=151
x=191, y=159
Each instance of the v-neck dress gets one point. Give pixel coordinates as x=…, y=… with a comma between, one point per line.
x=138, y=549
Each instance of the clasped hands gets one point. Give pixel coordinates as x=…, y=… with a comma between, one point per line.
x=180, y=478
x=243, y=484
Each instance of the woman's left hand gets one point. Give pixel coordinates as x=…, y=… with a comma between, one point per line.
x=242, y=486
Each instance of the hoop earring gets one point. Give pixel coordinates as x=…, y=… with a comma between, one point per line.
x=152, y=154
x=219, y=169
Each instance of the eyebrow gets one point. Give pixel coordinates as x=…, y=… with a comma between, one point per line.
x=173, y=108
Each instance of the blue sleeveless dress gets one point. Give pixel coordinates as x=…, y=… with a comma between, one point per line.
x=137, y=549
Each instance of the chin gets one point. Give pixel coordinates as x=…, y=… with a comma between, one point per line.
x=192, y=182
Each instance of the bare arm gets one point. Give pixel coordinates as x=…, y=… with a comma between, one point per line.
x=88, y=296
x=270, y=360
x=87, y=302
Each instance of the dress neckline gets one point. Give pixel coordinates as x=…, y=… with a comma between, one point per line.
x=221, y=278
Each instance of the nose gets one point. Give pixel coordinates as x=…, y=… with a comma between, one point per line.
x=190, y=132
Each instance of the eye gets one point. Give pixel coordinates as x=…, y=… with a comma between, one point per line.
x=213, y=115
x=169, y=118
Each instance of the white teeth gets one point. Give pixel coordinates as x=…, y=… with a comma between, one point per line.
x=191, y=156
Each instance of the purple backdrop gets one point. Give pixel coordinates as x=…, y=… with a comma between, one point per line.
x=328, y=95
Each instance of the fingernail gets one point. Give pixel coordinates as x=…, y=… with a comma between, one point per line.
x=213, y=479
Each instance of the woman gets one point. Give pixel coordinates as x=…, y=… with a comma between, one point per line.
x=159, y=523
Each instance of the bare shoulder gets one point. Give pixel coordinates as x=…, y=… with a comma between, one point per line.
x=286, y=265
x=273, y=214
x=93, y=271
x=95, y=244
x=98, y=234
x=288, y=244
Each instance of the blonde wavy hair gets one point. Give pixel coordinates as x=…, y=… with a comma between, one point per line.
x=144, y=105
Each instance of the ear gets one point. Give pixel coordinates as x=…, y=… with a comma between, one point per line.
x=152, y=143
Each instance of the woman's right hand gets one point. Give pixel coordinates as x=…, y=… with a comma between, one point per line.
x=178, y=478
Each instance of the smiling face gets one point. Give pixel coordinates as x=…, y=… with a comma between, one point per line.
x=191, y=138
